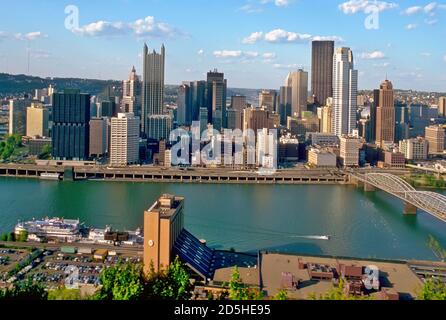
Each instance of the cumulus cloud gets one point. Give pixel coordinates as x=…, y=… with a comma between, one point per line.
x=425, y=54
x=200, y=52
x=411, y=26
x=429, y=9
x=374, y=55
x=141, y=28
x=269, y=55
x=366, y=6
x=253, y=37
x=283, y=36
x=227, y=53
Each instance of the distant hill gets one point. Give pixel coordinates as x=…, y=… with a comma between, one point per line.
x=13, y=85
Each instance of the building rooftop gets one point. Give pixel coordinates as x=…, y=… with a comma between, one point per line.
x=167, y=205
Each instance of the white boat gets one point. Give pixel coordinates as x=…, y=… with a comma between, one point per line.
x=50, y=176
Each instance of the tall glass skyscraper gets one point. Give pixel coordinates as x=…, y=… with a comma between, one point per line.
x=71, y=130
x=153, y=85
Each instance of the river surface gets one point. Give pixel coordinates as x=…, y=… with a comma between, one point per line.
x=247, y=218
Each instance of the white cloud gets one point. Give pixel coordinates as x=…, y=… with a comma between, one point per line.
x=382, y=65
x=227, y=53
x=412, y=10
x=287, y=66
x=253, y=38
x=39, y=54
x=431, y=22
x=430, y=7
x=425, y=54
x=250, y=8
x=282, y=3
x=374, y=55
x=200, y=52
x=366, y=6
x=269, y=55
x=141, y=28
x=411, y=26
x=30, y=36
x=283, y=36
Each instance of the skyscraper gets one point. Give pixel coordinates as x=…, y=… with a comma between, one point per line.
x=385, y=115
x=124, y=146
x=99, y=137
x=159, y=126
x=37, y=119
x=216, y=97
x=153, y=85
x=184, y=105
x=345, y=91
x=435, y=136
x=71, y=130
x=442, y=107
x=284, y=104
x=268, y=100
x=298, y=82
x=238, y=102
x=322, y=70
x=17, y=115
x=131, y=95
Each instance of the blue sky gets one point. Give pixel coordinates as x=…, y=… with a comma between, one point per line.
x=255, y=42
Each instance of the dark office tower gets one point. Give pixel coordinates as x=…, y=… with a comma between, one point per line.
x=108, y=109
x=401, y=122
x=184, y=105
x=153, y=85
x=198, y=93
x=71, y=131
x=373, y=108
x=284, y=104
x=216, y=97
x=322, y=70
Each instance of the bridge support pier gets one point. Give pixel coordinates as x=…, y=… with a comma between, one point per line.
x=369, y=188
x=409, y=209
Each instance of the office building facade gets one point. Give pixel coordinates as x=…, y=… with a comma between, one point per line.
x=385, y=115
x=37, y=120
x=124, y=140
x=322, y=70
x=71, y=129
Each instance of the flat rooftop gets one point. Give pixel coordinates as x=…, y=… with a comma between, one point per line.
x=166, y=205
x=394, y=275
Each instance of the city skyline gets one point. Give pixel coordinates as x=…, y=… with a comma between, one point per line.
x=257, y=54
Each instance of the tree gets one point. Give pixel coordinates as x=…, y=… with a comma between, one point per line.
x=122, y=282
x=436, y=248
x=25, y=290
x=433, y=289
x=4, y=237
x=281, y=295
x=171, y=284
x=238, y=291
x=46, y=152
x=10, y=237
x=23, y=236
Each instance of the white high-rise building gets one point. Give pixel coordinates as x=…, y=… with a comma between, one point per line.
x=124, y=147
x=298, y=82
x=266, y=149
x=345, y=91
